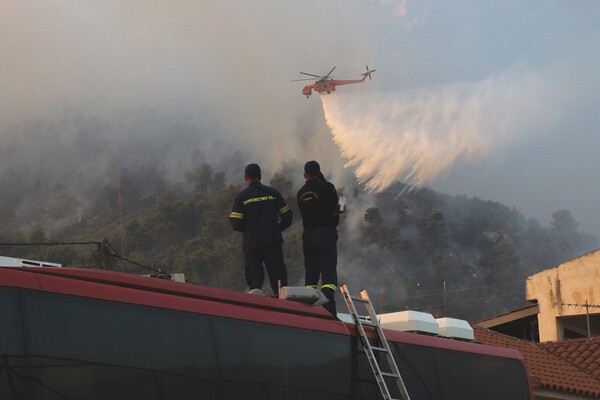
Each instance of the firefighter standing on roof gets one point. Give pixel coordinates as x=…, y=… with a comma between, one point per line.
x=261, y=213
x=318, y=203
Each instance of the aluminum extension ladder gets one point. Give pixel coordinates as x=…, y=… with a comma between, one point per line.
x=370, y=349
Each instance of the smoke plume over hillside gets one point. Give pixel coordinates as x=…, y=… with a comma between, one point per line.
x=498, y=100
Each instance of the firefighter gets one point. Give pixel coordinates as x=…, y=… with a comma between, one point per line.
x=261, y=213
x=318, y=203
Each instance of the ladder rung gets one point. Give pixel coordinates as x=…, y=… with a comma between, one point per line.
x=372, y=347
x=359, y=299
x=391, y=375
x=379, y=349
x=369, y=323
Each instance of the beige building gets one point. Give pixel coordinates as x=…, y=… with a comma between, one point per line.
x=568, y=298
x=558, y=368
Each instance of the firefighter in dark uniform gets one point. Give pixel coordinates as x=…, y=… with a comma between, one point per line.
x=318, y=203
x=261, y=213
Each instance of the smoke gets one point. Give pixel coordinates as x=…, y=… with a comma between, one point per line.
x=418, y=135
x=90, y=88
x=218, y=73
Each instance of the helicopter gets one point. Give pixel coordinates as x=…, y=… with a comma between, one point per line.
x=326, y=84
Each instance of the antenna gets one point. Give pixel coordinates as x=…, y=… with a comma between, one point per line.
x=445, y=313
x=121, y=229
x=587, y=307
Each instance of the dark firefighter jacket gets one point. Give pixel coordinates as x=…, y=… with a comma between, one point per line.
x=261, y=213
x=318, y=203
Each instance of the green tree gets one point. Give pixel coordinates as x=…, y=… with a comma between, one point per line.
x=374, y=223
x=434, y=233
x=37, y=235
x=62, y=255
x=202, y=178
x=565, y=226
x=563, y=222
x=286, y=188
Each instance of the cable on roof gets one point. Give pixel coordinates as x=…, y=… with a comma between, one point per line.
x=469, y=300
x=580, y=305
x=105, y=253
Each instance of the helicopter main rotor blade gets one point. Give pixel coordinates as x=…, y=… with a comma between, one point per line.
x=327, y=76
x=316, y=76
x=345, y=72
x=298, y=80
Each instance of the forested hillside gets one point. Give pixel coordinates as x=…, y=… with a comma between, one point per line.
x=404, y=248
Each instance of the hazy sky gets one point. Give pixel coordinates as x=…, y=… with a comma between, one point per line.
x=516, y=82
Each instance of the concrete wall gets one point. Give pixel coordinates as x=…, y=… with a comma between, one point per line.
x=574, y=282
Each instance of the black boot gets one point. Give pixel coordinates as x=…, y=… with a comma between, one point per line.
x=330, y=306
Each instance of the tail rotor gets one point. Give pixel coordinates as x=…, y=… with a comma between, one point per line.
x=368, y=73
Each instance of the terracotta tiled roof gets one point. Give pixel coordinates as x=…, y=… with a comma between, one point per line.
x=546, y=370
x=584, y=353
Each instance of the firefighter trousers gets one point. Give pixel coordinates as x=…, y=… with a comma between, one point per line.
x=319, y=245
x=272, y=258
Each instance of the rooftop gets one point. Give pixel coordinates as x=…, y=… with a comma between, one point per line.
x=583, y=353
x=569, y=366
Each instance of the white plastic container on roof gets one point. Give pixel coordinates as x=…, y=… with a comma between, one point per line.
x=455, y=329
x=410, y=321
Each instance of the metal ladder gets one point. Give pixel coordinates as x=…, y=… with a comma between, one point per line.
x=373, y=322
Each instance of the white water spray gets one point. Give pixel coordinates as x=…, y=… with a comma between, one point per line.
x=418, y=135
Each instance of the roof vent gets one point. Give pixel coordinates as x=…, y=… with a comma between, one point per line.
x=20, y=262
x=303, y=295
x=455, y=329
x=410, y=321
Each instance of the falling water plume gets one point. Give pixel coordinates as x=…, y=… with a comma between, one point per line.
x=416, y=136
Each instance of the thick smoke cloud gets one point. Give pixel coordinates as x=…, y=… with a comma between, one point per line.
x=231, y=60
x=224, y=68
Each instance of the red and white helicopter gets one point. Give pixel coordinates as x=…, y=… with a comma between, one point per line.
x=326, y=84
